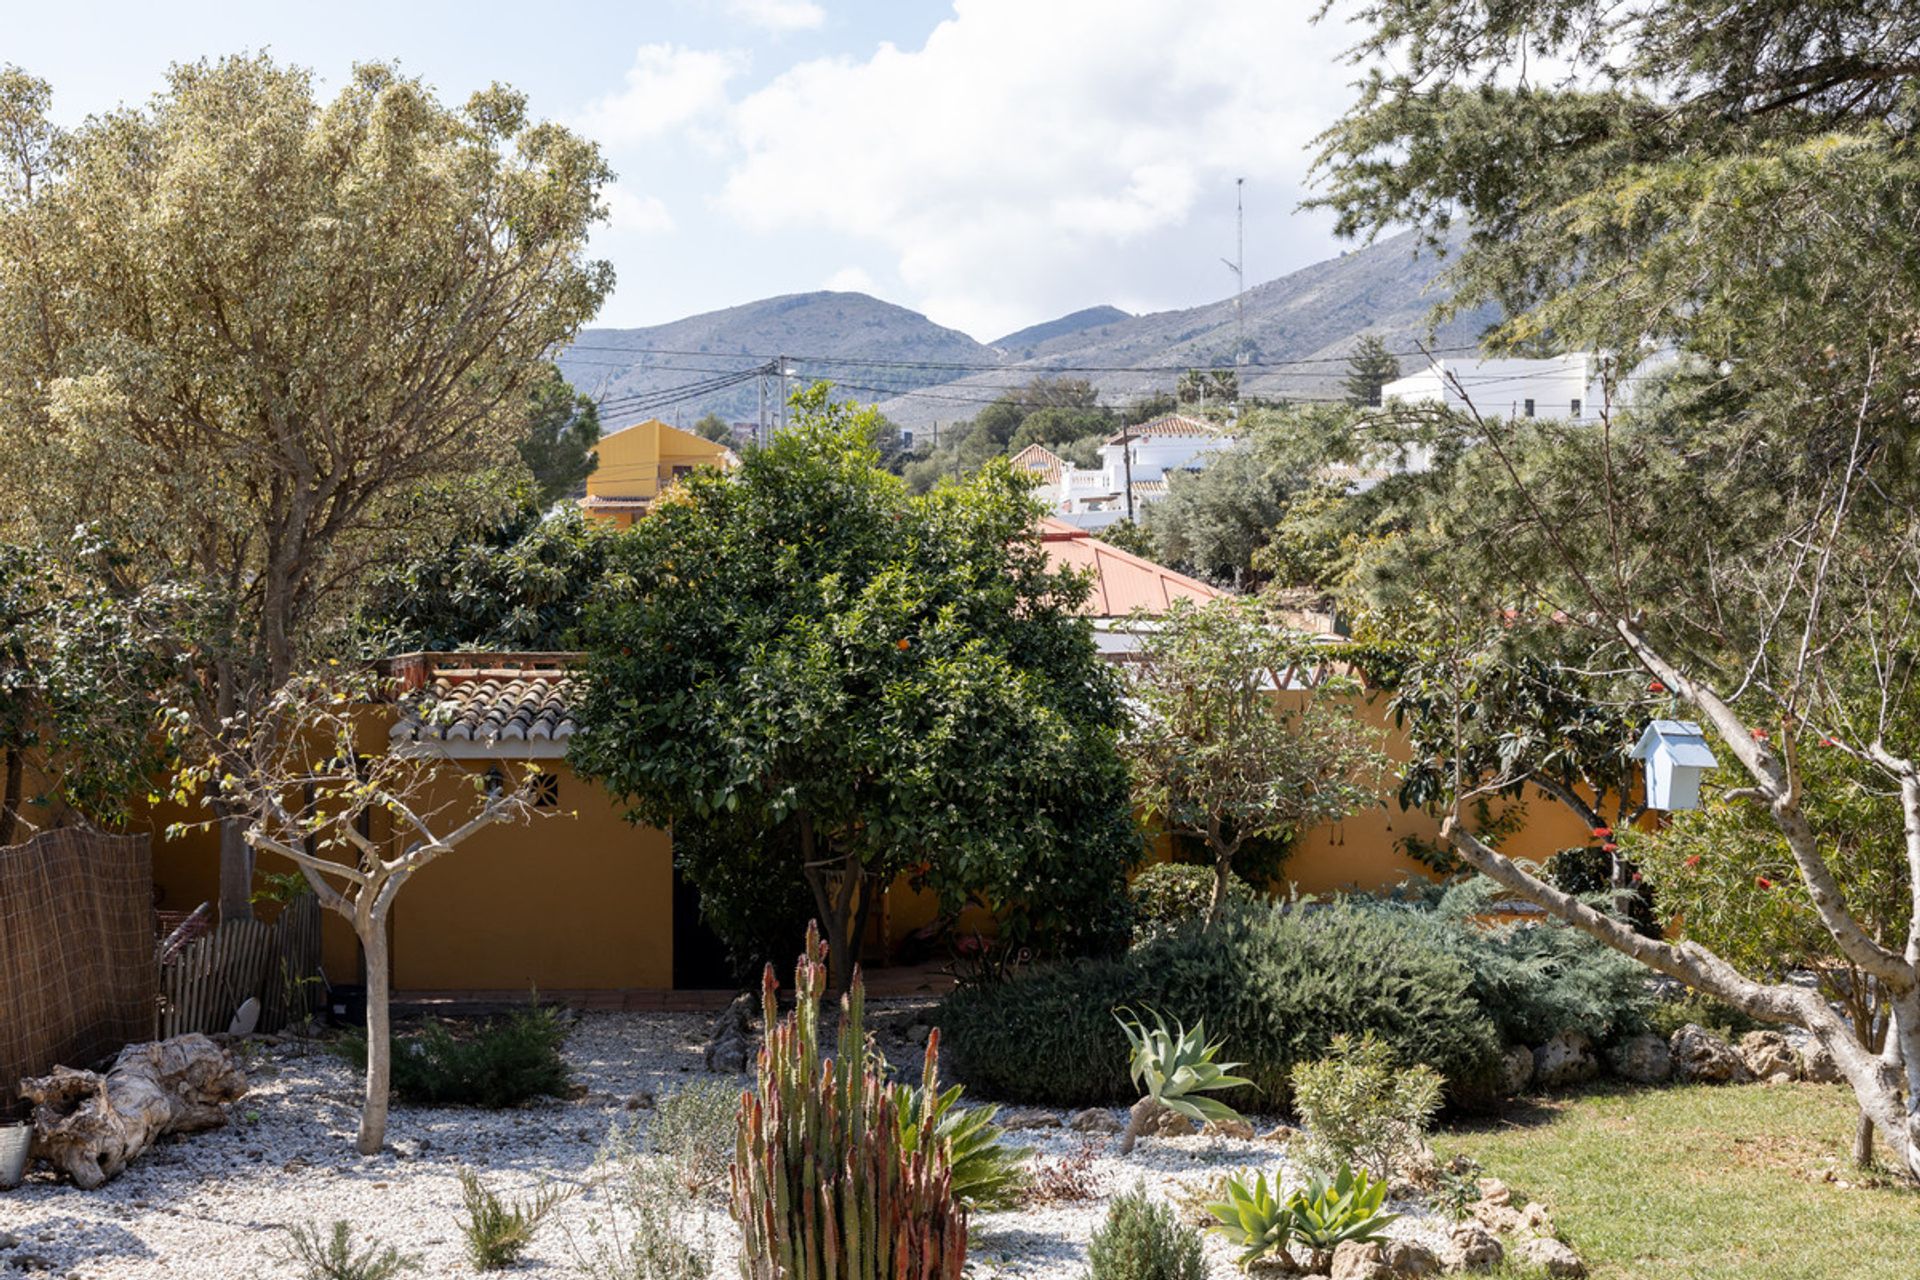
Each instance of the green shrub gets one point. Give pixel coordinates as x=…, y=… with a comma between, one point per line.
x=331, y=1257
x=644, y=1225
x=1533, y=980
x=1669, y=1015
x=1142, y=1240
x=504, y=1062
x=1277, y=986
x=1169, y=894
x=693, y=1127
x=1361, y=1108
x=499, y=1231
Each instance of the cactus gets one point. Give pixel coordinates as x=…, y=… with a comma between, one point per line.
x=822, y=1187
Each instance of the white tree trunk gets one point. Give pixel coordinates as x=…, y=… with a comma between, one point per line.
x=373, y=1108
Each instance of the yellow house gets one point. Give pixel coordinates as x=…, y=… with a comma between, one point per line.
x=636, y=464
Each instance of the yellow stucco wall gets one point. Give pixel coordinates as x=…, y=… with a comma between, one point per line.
x=639, y=461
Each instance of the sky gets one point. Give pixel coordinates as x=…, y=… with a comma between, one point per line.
x=991, y=163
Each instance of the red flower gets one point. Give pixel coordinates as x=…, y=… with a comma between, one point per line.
x=1654, y=686
x=1603, y=833
x=1763, y=882
x=1609, y=847
x=901, y=644
x=1828, y=742
x=1636, y=877
x=1694, y=861
x=1759, y=735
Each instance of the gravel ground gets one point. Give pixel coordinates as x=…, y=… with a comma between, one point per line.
x=209, y=1206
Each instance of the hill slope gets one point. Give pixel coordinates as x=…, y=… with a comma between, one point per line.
x=1298, y=331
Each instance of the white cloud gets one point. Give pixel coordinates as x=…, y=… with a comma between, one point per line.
x=627, y=211
x=1031, y=157
x=778, y=15
x=851, y=280
x=668, y=87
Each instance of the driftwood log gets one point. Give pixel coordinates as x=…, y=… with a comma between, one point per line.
x=89, y=1126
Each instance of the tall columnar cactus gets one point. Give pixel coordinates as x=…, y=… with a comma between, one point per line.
x=822, y=1188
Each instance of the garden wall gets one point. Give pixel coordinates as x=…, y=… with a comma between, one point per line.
x=76, y=951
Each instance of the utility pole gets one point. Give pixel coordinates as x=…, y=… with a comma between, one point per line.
x=1126, y=456
x=760, y=431
x=1238, y=267
x=783, y=393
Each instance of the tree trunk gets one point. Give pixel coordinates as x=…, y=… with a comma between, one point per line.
x=1863, y=1141
x=1223, y=851
x=236, y=870
x=10, y=801
x=373, y=1108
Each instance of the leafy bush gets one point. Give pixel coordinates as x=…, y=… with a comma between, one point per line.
x=1177, y=1070
x=499, y=1231
x=1361, y=1108
x=647, y=1227
x=1277, y=985
x=1327, y=1214
x=505, y=1062
x=693, y=1128
x=1141, y=1240
x=1533, y=980
x=331, y=1256
x=1252, y=1216
x=1168, y=894
x=987, y=1173
x=1669, y=1015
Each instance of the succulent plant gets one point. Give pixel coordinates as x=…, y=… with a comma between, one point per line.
x=987, y=1173
x=1253, y=1217
x=1328, y=1214
x=1176, y=1069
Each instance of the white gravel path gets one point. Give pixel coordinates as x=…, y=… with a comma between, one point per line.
x=209, y=1206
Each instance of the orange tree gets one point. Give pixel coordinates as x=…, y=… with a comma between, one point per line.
x=855, y=683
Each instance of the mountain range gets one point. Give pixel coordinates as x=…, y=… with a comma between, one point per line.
x=1294, y=334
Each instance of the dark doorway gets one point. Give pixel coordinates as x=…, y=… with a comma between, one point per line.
x=699, y=956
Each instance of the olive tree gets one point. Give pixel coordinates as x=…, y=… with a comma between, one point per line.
x=242, y=328
x=1241, y=732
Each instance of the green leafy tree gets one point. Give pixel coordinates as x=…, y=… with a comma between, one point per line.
x=79, y=670
x=241, y=327
x=562, y=428
x=521, y=582
x=865, y=683
x=1370, y=367
x=1201, y=386
x=1219, y=750
x=712, y=426
x=1735, y=184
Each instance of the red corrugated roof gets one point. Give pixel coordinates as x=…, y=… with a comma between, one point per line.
x=1122, y=581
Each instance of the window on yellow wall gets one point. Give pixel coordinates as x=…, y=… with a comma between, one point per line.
x=546, y=791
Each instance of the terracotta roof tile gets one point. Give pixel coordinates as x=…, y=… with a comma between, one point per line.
x=1122, y=581
x=488, y=709
x=1040, y=460
x=1167, y=424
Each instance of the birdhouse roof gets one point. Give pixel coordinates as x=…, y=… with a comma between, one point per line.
x=1679, y=740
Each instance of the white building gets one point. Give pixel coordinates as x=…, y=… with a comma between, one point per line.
x=1143, y=456
x=1567, y=387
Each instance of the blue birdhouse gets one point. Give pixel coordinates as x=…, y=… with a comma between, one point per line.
x=1676, y=754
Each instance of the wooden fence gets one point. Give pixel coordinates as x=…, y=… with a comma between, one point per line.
x=204, y=980
x=77, y=976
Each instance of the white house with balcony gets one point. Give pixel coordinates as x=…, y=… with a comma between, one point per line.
x=1135, y=465
x=1570, y=387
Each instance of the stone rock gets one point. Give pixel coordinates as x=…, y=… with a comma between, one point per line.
x=1550, y=1256
x=641, y=1101
x=1355, y=1261
x=1235, y=1128
x=1494, y=1191
x=1165, y=1123
x=1818, y=1064
x=1029, y=1118
x=1501, y=1219
x=730, y=1048
x=1470, y=1247
x=1516, y=1069
x=1534, y=1218
x=8, y=1240
x=1094, y=1120
x=1410, y=1260
x=1282, y=1132
x=1767, y=1054
x=1643, y=1059
x=1567, y=1059
x=1700, y=1056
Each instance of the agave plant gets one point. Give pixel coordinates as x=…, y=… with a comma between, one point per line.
x=1327, y=1214
x=1253, y=1218
x=987, y=1173
x=1175, y=1069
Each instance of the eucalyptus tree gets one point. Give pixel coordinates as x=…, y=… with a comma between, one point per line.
x=855, y=682
x=1737, y=183
x=240, y=327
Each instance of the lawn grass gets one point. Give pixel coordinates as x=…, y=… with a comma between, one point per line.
x=1727, y=1183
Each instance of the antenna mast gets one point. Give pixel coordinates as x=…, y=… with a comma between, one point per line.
x=1238, y=267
